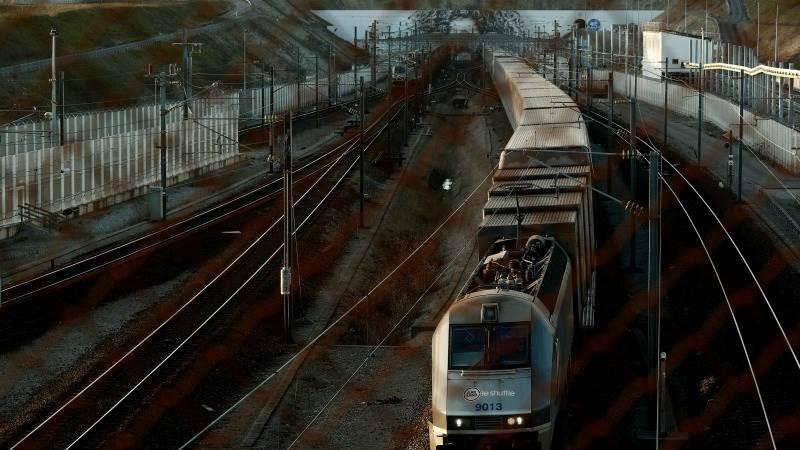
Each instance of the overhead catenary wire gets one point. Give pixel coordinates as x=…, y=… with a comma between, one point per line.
x=721, y=284
x=146, y=338
x=212, y=315
x=355, y=305
x=153, y=332
x=313, y=341
x=652, y=146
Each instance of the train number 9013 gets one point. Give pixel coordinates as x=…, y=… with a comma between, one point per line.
x=488, y=406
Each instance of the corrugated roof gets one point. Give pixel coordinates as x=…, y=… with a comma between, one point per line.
x=563, y=101
x=543, y=116
x=504, y=189
x=532, y=203
x=536, y=218
x=551, y=91
x=537, y=137
x=533, y=83
x=515, y=66
x=538, y=173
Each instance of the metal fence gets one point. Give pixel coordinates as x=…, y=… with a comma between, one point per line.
x=107, y=153
x=25, y=136
x=116, y=152
x=344, y=87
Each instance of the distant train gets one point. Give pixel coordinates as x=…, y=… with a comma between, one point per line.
x=399, y=73
x=501, y=352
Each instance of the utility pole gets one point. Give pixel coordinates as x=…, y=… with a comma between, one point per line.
x=331, y=69
x=271, y=117
x=263, y=101
x=666, y=102
x=361, y=107
x=653, y=266
x=288, y=225
x=189, y=48
x=53, y=89
x=316, y=90
x=389, y=72
x=244, y=61
x=610, y=142
x=633, y=163
x=741, y=136
x=555, y=66
x=791, y=99
x=355, y=79
x=374, y=60
x=700, y=99
x=298, y=80
x=162, y=88
x=405, y=109
x=571, y=69
x=61, y=129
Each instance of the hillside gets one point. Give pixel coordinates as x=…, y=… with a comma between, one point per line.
x=275, y=31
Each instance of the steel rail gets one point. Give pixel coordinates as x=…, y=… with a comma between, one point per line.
x=204, y=288
x=308, y=217
x=16, y=286
x=161, y=231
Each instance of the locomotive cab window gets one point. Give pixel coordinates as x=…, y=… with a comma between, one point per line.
x=467, y=347
x=508, y=346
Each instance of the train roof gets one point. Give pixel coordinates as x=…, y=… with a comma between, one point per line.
x=545, y=116
x=505, y=188
x=532, y=203
x=541, y=91
x=530, y=219
x=555, y=136
x=536, y=102
x=539, y=173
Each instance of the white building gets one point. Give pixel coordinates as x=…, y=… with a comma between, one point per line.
x=660, y=47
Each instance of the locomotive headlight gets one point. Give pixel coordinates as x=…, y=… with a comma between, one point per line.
x=520, y=421
x=463, y=423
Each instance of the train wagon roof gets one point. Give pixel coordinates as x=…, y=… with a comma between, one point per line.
x=533, y=83
x=535, y=218
x=539, y=137
x=550, y=91
x=562, y=184
x=532, y=203
x=520, y=75
x=542, y=116
x=539, y=173
x=515, y=67
x=563, y=101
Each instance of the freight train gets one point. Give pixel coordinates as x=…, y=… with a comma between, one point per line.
x=501, y=352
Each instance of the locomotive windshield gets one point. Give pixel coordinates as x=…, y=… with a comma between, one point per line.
x=468, y=347
x=508, y=346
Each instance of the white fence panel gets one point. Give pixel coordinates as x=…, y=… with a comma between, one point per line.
x=114, y=152
x=771, y=139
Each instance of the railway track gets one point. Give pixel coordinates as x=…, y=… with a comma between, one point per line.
x=735, y=415
x=105, y=257
x=156, y=360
